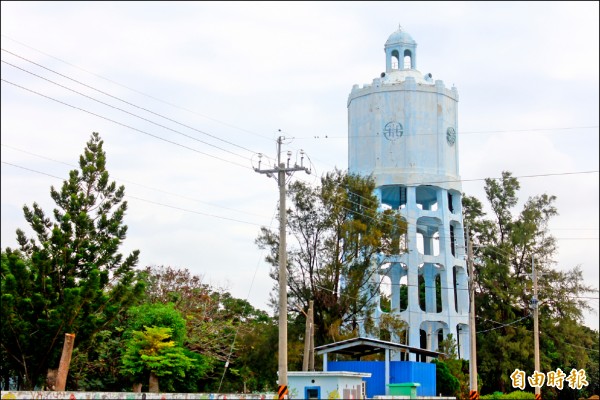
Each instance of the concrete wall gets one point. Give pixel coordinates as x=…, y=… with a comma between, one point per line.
x=66, y=395
x=420, y=397
x=332, y=385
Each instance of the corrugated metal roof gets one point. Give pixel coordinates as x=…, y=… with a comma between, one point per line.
x=361, y=346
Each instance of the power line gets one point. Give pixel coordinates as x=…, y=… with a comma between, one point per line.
x=254, y=133
x=525, y=328
x=483, y=179
x=192, y=211
x=413, y=184
x=464, y=180
x=144, y=200
x=136, y=91
x=127, y=112
x=125, y=125
x=112, y=81
x=214, y=205
x=504, y=325
x=580, y=238
x=425, y=183
x=117, y=98
x=569, y=344
x=138, y=184
x=461, y=132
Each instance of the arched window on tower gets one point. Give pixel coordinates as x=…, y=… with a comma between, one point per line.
x=395, y=59
x=407, y=61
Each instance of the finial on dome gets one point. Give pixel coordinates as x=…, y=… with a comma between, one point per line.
x=399, y=27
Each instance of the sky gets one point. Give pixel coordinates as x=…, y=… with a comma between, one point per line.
x=186, y=94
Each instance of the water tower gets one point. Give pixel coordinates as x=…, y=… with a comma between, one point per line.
x=402, y=130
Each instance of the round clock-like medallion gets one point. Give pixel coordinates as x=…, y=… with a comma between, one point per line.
x=393, y=130
x=451, y=136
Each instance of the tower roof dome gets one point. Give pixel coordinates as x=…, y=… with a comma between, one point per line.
x=399, y=37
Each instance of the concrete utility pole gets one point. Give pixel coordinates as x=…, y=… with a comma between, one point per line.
x=536, y=329
x=308, y=362
x=473, y=391
x=282, y=170
x=311, y=358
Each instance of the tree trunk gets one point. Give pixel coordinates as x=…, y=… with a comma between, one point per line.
x=137, y=387
x=153, y=383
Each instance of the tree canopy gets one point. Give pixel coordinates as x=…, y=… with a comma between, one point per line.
x=154, y=345
x=69, y=277
x=506, y=246
x=337, y=232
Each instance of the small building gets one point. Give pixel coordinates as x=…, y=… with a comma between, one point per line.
x=327, y=385
x=382, y=373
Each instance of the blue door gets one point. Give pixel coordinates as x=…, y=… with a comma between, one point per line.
x=312, y=392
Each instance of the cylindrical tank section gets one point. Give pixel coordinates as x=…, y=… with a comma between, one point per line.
x=402, y=129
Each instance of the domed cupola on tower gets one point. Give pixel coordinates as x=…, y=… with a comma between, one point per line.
x=400, y=51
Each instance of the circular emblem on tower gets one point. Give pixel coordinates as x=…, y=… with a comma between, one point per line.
x=393, y=130
x=451, y=136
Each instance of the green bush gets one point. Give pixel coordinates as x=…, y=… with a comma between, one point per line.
x=493, y=396
x=516, y=395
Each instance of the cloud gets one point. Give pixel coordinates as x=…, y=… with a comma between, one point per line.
x=241, y=71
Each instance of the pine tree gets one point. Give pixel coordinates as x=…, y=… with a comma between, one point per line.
x=70, y=277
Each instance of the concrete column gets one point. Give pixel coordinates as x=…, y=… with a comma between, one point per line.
x=446, y=276
x=395, y=276
x=387, y=371
x=462, y=291
x=414, y=336
x=428, y=346
x=434, y=338
x=464, y=341
x=429, y=275
x=447, y=283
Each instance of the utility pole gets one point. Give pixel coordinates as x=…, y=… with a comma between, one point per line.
x=311, y=358
x=473, y=392
x=536, y=329
x=306, y=355
x=282, y=171
x=308, y=361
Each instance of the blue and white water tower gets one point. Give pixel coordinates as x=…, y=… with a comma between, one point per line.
x=402, y=130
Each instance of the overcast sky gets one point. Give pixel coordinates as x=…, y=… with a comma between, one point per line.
x=216, y=83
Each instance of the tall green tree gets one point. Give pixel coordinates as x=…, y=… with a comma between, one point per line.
x=208, y=311
x=69, y=277
x=155, y=347
x=505, y=247
x=337, y=233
